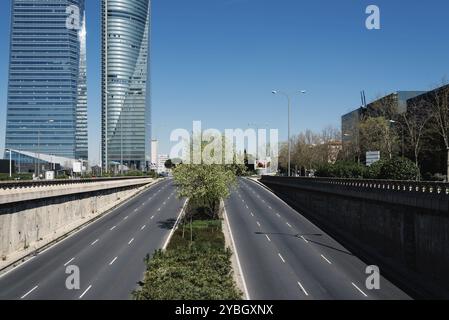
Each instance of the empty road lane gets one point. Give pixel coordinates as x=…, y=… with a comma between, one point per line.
x=285, y=256
x=109, y=253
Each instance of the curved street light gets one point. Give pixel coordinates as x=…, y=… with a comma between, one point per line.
x=289, y=124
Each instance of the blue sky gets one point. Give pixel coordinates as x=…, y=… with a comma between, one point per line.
x=218, y=60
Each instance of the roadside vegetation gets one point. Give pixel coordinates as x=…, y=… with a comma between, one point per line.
x=394, y=169
x=196, y=264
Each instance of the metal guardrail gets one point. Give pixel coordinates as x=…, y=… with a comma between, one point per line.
x=439, y=188
x=45, y=183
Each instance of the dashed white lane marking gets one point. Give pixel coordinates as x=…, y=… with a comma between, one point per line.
x=289, y=225
x=126, y=218
x=327, y=260
x=268, y=238
x=159, y=209
x=152, y=217
x=278, y=215
x=28, y=293
x=135, y=210
x=282, y=258
x=302, y=237
x=270, y=208
x=87, y=290
x=143, y=227
x=252, y=214
x=131, y=241
x=68, y=262
x=258, y=224
x=302, y=288
x=113, y=260
x=359, y=290
x=113, y=228
x=94, y=242
x=247, y=207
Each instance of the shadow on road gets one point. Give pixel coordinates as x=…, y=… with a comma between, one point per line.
x=298, y=236
x=167, y=224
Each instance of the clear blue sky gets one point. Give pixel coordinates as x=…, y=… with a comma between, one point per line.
x=218, y=60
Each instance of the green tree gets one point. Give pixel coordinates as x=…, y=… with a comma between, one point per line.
x=205, y=184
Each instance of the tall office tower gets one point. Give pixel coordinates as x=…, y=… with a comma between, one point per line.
x=126, y=127
x=47, y=94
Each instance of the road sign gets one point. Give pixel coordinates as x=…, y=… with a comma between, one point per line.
x=372, y=157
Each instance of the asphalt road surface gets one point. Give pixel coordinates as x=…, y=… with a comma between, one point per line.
x=283, y=256
x=109, y=252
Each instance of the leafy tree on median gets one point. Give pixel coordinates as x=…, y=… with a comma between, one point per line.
x=205, y=184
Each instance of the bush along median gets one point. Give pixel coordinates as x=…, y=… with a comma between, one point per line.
x=196, y=264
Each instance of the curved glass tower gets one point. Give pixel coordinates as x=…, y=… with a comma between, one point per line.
x=125, y=83
x=47, y=94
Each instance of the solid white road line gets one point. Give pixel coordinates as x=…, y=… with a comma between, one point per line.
x=130, y=241
x=304, y=239
x=327, y=260
x=268, y=238
x=302, y=288
x=94, y=242
x=181, y=213
x=359, y=290
x=245, y=288
x=28, y=293
x=68, y=262
x=84, y=293
x=113, y=260
x=282, y=258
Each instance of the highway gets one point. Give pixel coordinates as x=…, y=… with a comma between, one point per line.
x=283, y=256
x=109, y=252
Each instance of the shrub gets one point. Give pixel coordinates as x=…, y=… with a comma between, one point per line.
x=398, y=169
x=341, y=170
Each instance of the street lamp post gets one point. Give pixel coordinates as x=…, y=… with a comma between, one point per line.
x=289, y=126
x=10, y=162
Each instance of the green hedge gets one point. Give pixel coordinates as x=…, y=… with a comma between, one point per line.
x=191, y=270
x=394, y=169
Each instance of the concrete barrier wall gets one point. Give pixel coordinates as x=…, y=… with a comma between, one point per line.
x=28, y=225
x=406, y=234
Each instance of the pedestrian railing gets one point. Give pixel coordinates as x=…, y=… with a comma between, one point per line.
x=440, y=188
x=46, y=183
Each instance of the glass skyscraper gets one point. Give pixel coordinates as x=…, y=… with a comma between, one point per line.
x=125, y=83
x=47, y=92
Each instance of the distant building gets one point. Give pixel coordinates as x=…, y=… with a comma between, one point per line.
x=388, y=106
x=126, y=104
x=162, y=158
x=154, y=152
x=47, y=92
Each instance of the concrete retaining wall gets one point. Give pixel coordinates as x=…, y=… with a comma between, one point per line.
x=26, y=226
x=406, y=234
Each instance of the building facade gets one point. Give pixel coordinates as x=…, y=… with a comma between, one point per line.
x=125, y=83
x=388, y=107
x=47, y=92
